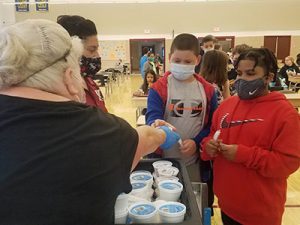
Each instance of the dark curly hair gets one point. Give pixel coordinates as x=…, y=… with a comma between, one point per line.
x=77, y=26
x=262, y=57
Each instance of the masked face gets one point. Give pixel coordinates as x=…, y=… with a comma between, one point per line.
x=181, y=71
x=89, y=66
x=208, y=46
x=151, y=59
x=250, y=89
x=182, y=64
x=251, y=81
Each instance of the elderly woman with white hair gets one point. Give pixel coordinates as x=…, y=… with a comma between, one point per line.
x=61, y=162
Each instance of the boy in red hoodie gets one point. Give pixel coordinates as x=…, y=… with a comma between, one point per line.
x=255, y=144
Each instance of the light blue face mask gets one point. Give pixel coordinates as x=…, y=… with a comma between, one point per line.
x=182, y=71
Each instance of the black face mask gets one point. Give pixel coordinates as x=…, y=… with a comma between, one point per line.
x=89, y=66
x=250, y=89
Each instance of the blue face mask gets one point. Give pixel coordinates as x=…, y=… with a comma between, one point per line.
x=181, y=71
x=250, y=89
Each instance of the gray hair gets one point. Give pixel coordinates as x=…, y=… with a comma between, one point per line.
x=36, y=53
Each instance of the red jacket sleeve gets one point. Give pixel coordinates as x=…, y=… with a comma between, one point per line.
x=284, y=157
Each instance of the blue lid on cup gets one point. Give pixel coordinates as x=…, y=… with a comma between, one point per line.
x=138, y=185
x=172, y=208
x=142, y=209
x=170, y=185
x=141, y=177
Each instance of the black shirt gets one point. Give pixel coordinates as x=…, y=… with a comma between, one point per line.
x=283, y=71
x=61, y=162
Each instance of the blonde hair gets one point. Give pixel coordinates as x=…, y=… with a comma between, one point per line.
x=290, y=58
x=36, y=53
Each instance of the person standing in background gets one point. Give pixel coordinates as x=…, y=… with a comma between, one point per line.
x=214, y=70
x=150, y=64
x=236, y=51
x=143, y=60
x=207, y=44
x=90, y=61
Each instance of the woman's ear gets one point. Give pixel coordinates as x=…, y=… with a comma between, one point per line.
x=69, y=83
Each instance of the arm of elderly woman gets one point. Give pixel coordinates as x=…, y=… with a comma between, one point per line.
x=150, y=138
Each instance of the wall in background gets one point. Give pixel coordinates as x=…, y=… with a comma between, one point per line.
x=7, y=14
x=192, y=17
x=247, y=20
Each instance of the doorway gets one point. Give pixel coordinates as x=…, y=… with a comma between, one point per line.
x=155, y=45
x=279, y=45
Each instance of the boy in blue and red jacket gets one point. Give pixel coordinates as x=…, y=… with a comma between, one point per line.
x=185, y=100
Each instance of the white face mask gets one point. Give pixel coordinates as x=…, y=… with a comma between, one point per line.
x=181, y=71
x=207, y=49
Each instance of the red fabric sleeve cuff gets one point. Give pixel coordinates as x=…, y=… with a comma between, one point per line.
x=242, y=154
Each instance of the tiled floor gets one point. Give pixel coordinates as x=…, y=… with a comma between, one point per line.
x=120, y=104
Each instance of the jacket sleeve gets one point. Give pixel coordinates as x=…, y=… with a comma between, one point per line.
x=284, y=157
x=155, y=107
x=205, y=131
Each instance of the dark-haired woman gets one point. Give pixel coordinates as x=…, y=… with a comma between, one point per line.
x=255, y=144
x=90, y=62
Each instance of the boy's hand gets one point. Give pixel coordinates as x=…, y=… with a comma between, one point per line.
x=228, y=151
x=212, y=148
x=188, y=147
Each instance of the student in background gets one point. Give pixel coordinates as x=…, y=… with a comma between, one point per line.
x=289, y=69
x=186, y=100
x=207, y=44
x=236, y=51
x=214, y=70
x=90, y=61
x=255, y=144
x=149, y=80
x=150, y=64
x=143, y=60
